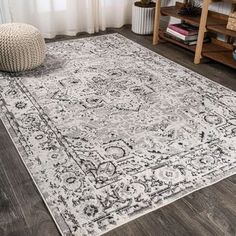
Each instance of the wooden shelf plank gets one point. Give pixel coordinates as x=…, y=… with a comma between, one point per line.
x=212, y=20
x=213, y=47
x=220, y=52
x=173, y=11
x=210, y=50
x=224, y=57
x=222, y=30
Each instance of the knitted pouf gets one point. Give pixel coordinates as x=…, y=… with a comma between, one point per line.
x=22, y=47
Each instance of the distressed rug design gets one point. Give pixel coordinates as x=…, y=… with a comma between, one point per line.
x=110, y=131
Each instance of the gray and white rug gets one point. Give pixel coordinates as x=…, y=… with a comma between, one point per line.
x=110, y=131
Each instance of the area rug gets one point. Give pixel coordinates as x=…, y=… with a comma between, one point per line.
x=110, y=131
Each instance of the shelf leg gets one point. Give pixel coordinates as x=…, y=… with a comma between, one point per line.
x=157, y=22
x=202, y=30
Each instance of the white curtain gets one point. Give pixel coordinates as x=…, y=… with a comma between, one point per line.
x=69, y=17
x=5, y=15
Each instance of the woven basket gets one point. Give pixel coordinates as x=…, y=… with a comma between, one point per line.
x=232, y=21
x=22, y=47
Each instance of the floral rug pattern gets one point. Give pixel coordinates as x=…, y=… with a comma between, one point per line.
x=110, y=131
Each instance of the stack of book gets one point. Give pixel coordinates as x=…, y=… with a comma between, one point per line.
x=184, y=33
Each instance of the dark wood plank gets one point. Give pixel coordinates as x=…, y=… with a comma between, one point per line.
x=221, y=29
x=210, y=211
x=214, y=18
x=23, y=211
x=12, y=220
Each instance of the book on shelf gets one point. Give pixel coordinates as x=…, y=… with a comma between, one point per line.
x=184, y=29
x=193, y=42
x=181, y=36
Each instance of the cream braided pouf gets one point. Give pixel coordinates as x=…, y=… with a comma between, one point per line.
x=22, y=47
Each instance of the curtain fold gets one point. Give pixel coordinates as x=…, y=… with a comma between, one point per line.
x=69, y=17
x=5, y=14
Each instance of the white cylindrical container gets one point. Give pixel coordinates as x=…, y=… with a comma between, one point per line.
x=143, y=18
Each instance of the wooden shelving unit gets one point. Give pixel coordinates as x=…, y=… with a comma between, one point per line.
x=208, y=21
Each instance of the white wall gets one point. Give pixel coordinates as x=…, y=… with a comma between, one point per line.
x=221, y=7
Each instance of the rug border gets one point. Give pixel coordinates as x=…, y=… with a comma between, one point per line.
x=13, y=138
x=8, y=128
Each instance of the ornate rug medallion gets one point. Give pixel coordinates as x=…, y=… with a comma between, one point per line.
x=110, y=131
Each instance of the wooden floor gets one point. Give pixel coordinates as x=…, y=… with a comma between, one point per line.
x=210, y=211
